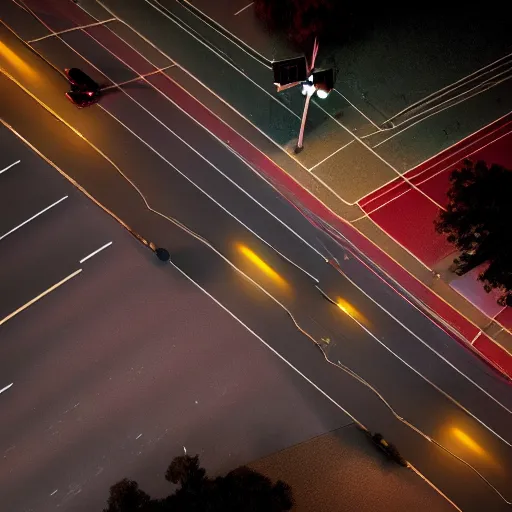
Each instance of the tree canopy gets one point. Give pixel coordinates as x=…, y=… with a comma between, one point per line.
x=241, y=490
x=478, y=222
x=300, y=20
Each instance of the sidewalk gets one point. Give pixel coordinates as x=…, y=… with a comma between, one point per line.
x=342, y=470
x=224, y=80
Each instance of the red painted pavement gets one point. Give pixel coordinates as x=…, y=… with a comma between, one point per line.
x=56, y=13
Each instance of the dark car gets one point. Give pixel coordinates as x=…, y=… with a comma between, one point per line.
x=84, y=90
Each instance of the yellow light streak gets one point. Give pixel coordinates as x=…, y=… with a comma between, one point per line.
x=350, y=310
x=17, y=62
x=467, y=441
x=261, y=265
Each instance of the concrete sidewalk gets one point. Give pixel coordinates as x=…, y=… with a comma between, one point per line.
x=342, y=470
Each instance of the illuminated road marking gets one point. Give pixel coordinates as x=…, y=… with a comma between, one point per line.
x=96, y=252
x=329, y=156
x=6, y=387
x=9, y=166
x=32, y=218
x=242, y=9
x=40, y=296
x=72, y=29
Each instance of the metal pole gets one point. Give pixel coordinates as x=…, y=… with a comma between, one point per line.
x=300, y=142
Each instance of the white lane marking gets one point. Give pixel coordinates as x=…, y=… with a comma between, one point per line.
x=96, y=252
x=32, y=218
x=72, y=29
x=417, y=372
x=329, y=156
x=6, y=387
x=268, y=346
x=494, y=84
x=438, y=108
x=457, y=83
x=161, y=10
x=54, y=492
x=242, y=9
x=241, y=44
x=9, y=166
x=137, y=78
x=336, y=235
x=210, y=197
x=375, y=125
x=40, y=296
x=138, y=437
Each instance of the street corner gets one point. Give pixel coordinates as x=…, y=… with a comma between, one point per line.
x=352, y=171
x=322, y=137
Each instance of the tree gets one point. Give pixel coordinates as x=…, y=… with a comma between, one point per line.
x=478, y=222
x=241, y=490
x=125, y=496
x=186, y=471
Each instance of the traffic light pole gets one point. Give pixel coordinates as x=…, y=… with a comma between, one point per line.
x=300, y=142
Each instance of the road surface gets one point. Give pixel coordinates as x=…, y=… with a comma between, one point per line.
x=255, y=254
x=125, y=362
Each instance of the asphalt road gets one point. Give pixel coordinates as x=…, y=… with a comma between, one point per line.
x=384, y=339
x=128, y=361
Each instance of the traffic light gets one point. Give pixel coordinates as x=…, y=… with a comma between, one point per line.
x=323, y=80
x=290, y=71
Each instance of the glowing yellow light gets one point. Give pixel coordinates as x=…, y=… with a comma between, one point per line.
x=467, y=441
x=261, y=264
x=347, y=308
x=16, y=61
